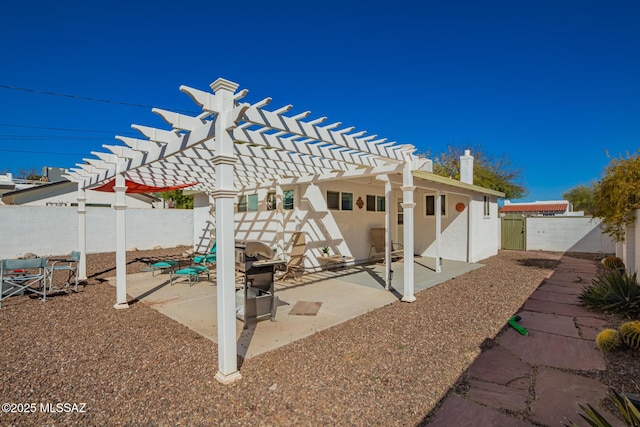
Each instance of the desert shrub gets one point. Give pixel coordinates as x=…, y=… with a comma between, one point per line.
x=613, y=262
x=630, y=334
x=608, y=340
x=629, y=412
x=613, y=292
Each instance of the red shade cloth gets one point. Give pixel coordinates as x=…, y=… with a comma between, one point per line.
x=134, y=187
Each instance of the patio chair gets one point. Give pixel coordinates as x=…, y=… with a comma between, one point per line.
x=70, y=265
x=20, y=275
x=192, y=272
x=208, y=258
x=296, y=256
x=377, y=250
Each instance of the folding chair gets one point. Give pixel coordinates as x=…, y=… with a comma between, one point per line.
x=70, y=265
x=18, y=276
x=296, y=256
x=377, y=236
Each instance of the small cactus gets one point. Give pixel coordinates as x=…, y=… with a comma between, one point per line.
x=630, y=334
x=613, y=262
x=608, y=340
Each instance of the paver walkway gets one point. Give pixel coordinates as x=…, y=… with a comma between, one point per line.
x=534, y=380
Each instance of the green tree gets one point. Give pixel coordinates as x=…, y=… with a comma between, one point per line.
x=28, y=174
x=582, y=198
x=180, y=200
x=617, y=195
x=495, y=173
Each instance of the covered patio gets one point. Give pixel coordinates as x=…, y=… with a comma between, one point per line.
x=233, y=148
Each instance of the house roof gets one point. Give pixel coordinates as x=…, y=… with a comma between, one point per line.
x=429, y=176
x=536, y=207
x=66, y=182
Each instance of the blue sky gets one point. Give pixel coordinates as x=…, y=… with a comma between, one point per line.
x=554, y=85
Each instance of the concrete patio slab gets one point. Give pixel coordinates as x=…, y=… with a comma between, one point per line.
x=344, y=294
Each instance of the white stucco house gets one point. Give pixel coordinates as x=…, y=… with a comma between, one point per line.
x=340, y=214
x=262, y=174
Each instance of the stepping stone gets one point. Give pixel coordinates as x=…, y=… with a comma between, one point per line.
x=460, y=412
x=557, y=351
x=559, y=393
x=498, y=396
x=590, y=326
x=569, y=290
x=500, y=366
x=555, y=308
x=551, y=323
x=545, y=295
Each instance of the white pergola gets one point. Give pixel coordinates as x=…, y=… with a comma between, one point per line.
x=235, y=146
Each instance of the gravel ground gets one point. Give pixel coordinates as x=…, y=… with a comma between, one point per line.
x=137, y=367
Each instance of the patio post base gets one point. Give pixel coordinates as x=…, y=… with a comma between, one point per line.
x=408, y=299
x=228, y=379
x=121, y=305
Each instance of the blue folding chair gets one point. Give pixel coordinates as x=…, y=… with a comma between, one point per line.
x=20, y=275
x=70, y=265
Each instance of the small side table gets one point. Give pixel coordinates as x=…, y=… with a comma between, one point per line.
x=335, y=260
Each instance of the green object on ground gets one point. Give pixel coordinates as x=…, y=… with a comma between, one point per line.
x=514, y=323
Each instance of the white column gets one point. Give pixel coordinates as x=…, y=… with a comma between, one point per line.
x=387, y=230
x=212, y=221
x=224, y=195
x=280, y=219
x=438, y=208
x=408, y=206
x=121, y=246
x=82, y=232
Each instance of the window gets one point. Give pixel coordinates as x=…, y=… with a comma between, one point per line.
x=376, y=203
x=430, y=205
x=400, y=213
x=371, y=203
x=248, y=203
x=487, y=206
x=287, y=199
x=271, y=201
x=242, y=203
x=339, y=201
x=333, y=200
x=347, y=201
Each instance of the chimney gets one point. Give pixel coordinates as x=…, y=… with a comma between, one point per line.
x=466, y=167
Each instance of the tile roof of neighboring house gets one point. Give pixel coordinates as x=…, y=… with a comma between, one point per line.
x=539, y=207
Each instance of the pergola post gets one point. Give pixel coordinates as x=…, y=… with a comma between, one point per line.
x=387, y=230
x=121, y=247
x=408, y=205
x=438, y=212
x=280, y=218
x=82, y=232
x=224, y=195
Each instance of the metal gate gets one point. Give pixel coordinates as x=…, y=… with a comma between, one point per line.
x=514, y=232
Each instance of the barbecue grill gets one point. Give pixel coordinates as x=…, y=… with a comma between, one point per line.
x=255, y=260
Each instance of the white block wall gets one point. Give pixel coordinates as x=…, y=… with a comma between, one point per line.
x=567, y=234
x=47, y=231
